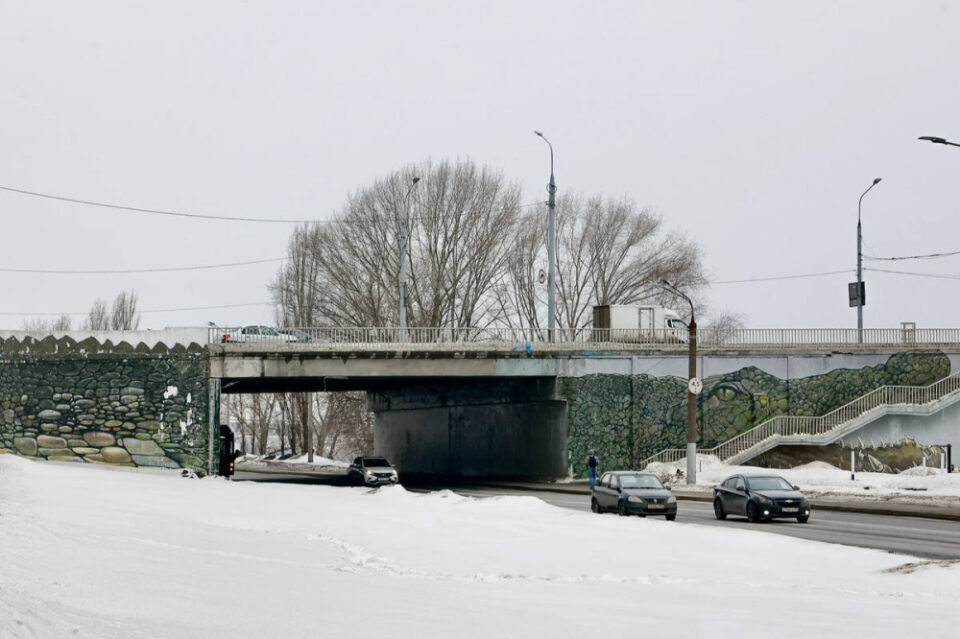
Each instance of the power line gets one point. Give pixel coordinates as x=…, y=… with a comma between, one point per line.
x=928, y=256
x=170, y=269
x=136, y=209
x=781, y=277
x=202, y=216
x=941, y=276
x=156, y=310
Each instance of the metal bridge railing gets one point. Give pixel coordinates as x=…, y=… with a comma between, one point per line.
x=584, y=338
x=814, y=427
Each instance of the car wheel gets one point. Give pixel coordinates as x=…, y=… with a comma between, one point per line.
x=671, y=517
x=594, y=506
x=622, y=509
x=803, y=519
x=752, y=512
x=718, y=510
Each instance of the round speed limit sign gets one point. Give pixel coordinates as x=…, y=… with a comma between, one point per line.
x=695, y=385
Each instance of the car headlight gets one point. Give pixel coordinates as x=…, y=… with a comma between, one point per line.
x=634, y=499
x=766, y=501
x=671, y=499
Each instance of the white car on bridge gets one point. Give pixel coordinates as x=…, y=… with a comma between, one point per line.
x=256, y=333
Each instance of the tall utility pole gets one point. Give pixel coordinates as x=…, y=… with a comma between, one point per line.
x=403, y=262
x=860, y=288
x=551, y=248
x=691, y=394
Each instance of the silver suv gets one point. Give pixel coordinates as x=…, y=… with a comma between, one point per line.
x=371, y=471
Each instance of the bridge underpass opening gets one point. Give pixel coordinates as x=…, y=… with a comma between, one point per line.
x=451, y=426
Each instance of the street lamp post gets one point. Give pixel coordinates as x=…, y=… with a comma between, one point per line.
x=860, y=291
x=403, y=263
x=691, y=396
x=936, y=140
x=551, y=247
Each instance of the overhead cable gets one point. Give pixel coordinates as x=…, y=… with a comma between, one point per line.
x=155, y=310
x=781, y=277
x=928, y=256
x=202, y=216
x=137, y=209
x=941, y=276
x=169, y=269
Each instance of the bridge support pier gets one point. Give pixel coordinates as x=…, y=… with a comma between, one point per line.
x=471, y=428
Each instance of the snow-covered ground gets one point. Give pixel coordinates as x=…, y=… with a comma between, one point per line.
x=296, y=463
x=85, y=552
x=819, y=478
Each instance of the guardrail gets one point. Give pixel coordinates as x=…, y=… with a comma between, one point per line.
x=563, y=338
x=816, y=427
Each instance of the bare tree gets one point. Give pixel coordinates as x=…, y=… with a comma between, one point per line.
x=255, y=415
x=609, y=252
x=720, y=328
x=344, y=426
x=98, y=319
x=62, y=323
x=459, y=221
x=125, y=316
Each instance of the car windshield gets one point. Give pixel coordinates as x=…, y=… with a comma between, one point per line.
x=266, y=330
x=768, y=483
x=375, y=461
x=639, y=481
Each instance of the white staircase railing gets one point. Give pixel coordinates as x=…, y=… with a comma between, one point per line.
x=812, y=429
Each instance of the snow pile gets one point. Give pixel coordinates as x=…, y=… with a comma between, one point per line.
x=297, y=463
x=87, y=553
x=820, y=477
x=921, y=471
x=318, y=460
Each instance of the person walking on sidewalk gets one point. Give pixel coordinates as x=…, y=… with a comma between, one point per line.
x=592, y=463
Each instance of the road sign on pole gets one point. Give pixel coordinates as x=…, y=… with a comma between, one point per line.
x=695, y=385
x=857, y=297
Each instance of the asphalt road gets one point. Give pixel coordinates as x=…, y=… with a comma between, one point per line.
x=929, y=538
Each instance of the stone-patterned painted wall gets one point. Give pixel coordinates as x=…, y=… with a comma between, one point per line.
x=628, y=418
x=104, y=403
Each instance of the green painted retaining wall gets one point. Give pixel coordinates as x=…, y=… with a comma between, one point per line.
x=628, y=418
x=104, y=403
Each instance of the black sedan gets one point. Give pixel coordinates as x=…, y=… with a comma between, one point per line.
x=760, y=498
x=633, y=493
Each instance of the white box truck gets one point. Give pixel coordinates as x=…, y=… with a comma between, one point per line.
x=637, y=324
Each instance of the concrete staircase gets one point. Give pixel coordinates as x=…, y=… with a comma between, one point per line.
x=826, y=429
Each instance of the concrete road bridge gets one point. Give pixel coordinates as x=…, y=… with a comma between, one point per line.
x=506, y=402
x=469, y=402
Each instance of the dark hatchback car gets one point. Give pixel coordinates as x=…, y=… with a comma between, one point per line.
x=759, y=498
x=633, y=493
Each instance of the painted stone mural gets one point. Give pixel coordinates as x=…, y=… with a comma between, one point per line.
x=628, y=418
x=104, y=403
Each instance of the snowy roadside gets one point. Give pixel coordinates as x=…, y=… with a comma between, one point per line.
x=297, y=463
x=818, y=479
x=88, y=553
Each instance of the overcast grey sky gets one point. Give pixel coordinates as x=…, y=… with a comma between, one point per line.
x=751, y=126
